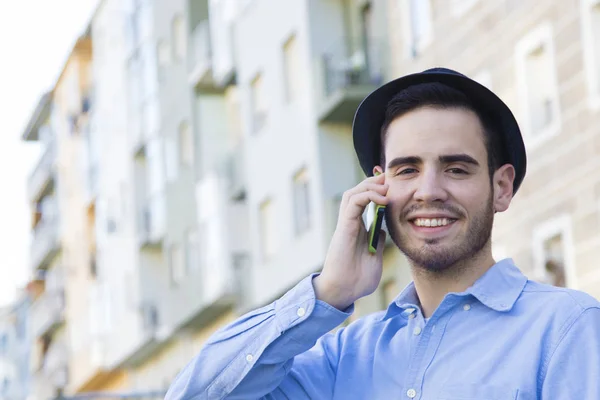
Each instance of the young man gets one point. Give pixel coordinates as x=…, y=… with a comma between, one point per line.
x=467, y=327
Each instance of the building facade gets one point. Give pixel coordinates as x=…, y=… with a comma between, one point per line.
x=202, y=174
x=541, y=58
x=15, y=382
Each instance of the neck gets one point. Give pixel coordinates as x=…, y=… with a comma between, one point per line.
x=432, y=286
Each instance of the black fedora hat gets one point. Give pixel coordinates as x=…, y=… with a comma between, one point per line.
x=370, y=115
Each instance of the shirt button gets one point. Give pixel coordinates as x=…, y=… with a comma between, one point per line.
x=412, y=393
x=249, y=357
x=411, y=316
x=467, y=307
x=417, y=331
x=301, y=311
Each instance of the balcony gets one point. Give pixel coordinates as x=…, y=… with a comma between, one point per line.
x=47, y=312
x=235, y=173
x=347, y=78
x=201, y=56
x=46, y=243
x=56, y=363
x=41, y=179
x=42, y=387
x=92, y=183
x=152, y=222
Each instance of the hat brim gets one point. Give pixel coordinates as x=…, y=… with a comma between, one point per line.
x=370, y=116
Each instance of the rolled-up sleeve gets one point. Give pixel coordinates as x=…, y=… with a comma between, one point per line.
x=253, y=357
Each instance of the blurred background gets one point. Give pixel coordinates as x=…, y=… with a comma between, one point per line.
x=169, y=165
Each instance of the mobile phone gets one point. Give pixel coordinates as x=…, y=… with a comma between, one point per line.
x=376, y=226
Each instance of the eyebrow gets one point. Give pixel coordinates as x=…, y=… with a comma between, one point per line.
x=444, y=159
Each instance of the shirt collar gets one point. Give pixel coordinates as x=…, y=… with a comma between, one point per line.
x=498, y=289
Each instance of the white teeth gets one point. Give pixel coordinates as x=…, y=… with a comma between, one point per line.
x=432, y=222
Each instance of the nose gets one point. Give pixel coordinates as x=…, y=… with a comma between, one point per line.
x=429, y=187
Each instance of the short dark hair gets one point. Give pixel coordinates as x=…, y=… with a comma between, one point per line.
x=439, y=95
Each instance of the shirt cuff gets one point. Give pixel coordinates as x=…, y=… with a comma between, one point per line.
x=300, y=305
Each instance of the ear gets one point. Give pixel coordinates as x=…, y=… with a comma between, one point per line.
x=503, y=187
x=377, y=170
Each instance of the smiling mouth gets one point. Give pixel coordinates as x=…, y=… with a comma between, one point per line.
x=432, y=222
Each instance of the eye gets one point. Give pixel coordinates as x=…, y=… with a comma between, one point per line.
x=406, y=171
x=459, y=171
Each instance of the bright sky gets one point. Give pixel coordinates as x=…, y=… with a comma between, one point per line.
x=35, y=38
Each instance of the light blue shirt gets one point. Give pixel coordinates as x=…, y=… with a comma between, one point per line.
x=504, y=338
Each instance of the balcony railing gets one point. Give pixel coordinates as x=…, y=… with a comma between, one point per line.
x=56, y=362
x=42, y=387
x=350, y=73
x=201, y=51
x=43, y=172
x=152, y=221
x=45, y=243
x=235, y=172
x=47, y=312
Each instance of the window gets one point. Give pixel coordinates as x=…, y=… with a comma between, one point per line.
x=148, y=66
x=552, y=252
x=418, y=22
x=590, y=22
x=291, y=65
x=179, y=37
x=155, y=161
x=301, y=194
x=163, y=57
x=171, y=159
x=267, y=229
x=192, y=256
x=176, y=264
x=538, y=87
x=258, y=104
x=186, y=144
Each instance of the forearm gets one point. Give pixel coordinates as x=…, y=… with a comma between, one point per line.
x=250, y=358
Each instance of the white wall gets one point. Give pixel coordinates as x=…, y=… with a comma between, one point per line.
x=287, y=142
x=118, y=263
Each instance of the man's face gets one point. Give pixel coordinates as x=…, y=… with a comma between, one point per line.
x=441, y=207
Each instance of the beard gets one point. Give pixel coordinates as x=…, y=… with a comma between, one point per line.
x=435, y=257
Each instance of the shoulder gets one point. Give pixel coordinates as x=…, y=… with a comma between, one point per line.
x=559, y=297
x=560, y=308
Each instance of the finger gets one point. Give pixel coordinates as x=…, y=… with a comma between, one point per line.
x=380, y=188
x=357, y=203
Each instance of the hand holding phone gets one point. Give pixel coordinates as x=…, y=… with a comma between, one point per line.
x=354, y=260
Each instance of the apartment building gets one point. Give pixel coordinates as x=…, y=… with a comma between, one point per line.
x=62, y=267
x=300, y=77
x=204, y=209
x=14, y=350
x=155, y=303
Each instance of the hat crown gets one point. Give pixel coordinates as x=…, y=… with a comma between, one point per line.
x=442, y=70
